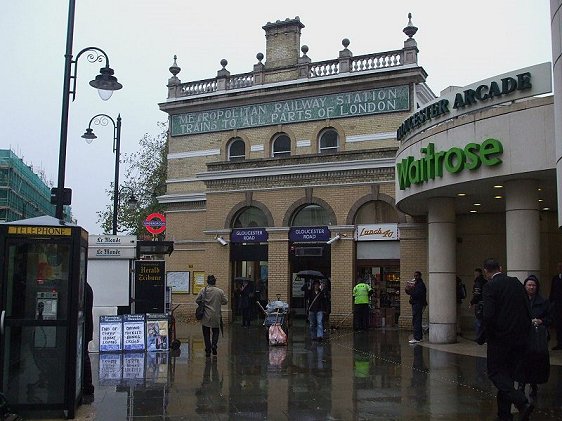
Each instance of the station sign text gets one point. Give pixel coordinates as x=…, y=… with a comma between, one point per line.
x=349, y=104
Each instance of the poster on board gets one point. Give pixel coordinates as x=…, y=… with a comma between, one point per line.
x=178, y=281
x=111, y=333
x=133, y=332
x=198, y=281
x=156, y=332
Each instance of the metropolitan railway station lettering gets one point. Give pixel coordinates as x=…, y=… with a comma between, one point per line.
x=350, y=104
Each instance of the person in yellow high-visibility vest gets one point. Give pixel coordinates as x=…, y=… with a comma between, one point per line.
x=361, y=294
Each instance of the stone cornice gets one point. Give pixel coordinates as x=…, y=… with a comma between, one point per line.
x=298, y=170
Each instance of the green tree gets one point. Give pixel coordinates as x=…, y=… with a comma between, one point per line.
x=144, y=180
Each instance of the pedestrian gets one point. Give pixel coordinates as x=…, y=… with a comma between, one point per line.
x=87, y=384
x=307, y=291
x=555, y=299
x=361, y=293
x=535, y=368
x=418, y=299
x=476, y=301
x=246, y=301
x=506, y=325
x=212, y=297
x=317, y=311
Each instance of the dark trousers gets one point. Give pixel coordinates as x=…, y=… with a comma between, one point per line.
x=503, y=360
x=246, y=316
x=87, y=385
x=361, y=315
x=558, y=325
x=210, y=343
x=417, y=311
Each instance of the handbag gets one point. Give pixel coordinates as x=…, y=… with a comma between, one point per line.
x=537, y=341
x=200, y=310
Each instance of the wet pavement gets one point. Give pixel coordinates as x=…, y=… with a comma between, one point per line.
x=373, y=375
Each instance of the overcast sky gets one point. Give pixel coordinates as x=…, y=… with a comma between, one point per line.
x=460, y=42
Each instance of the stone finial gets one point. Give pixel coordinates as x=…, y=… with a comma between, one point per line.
x=174, y=70
x=259, y=67
x=345, y=53
x=304, y=58
x=223, y=72
x=410, y=29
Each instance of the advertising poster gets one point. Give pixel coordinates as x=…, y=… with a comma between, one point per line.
x=133, y=332
x=199, y=281
x=150, y=286
x=111, y=333
x=178, y=281
x=156, y=332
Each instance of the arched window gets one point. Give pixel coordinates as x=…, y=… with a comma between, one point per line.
x=236, y=149
x=250, y=217
x=281, y=146
x=329, y=141
x=376, y=212
x=310, y=215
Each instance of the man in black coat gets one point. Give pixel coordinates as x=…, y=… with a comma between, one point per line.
x=555, y=299
x=506, y=322
x=476, y=301
x=87, y=385
x=418, y=299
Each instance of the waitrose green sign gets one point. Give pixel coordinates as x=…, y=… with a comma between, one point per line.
x=431, y=165
x=349, y=104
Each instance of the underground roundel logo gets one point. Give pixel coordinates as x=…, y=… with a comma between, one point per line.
x=155, y=223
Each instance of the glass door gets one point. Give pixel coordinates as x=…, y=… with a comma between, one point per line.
x=34, y=320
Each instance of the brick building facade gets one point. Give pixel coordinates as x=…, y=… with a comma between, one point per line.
x=256, y=160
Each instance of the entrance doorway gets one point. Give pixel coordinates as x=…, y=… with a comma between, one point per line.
x=384, y=278
x=309, y=256
x=249, y=261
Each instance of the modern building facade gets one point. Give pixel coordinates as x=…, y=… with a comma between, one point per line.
x=290, y=167
x=477, y=169
x=23, y=194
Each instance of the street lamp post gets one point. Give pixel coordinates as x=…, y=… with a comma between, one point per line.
x=105, y=82
x=102, y=119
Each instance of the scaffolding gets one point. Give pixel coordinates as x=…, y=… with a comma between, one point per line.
x=23, y=194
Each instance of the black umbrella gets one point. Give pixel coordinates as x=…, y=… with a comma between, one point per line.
x=310, y=274
x=242, y=279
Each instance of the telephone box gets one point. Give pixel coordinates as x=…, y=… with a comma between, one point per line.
x=42, y=280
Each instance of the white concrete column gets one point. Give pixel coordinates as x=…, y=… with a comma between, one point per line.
x=442, y=265
x=556, y=33
x=522, y=227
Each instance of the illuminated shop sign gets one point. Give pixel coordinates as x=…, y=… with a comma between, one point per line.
x=523, y=83
x=416, y=171
x=298, y=110
x=46, y=231
x=248, y=235
x=377, y=232
x=302, y=234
